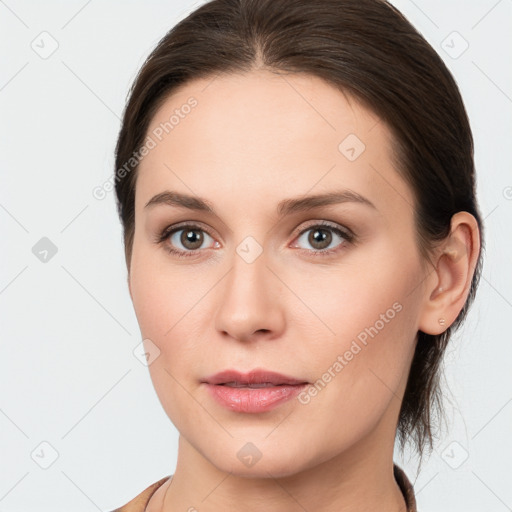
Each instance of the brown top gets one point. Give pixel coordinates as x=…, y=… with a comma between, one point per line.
x=139, y=503
x=406, y=488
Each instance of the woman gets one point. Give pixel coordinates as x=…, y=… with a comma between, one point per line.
x=296, y=185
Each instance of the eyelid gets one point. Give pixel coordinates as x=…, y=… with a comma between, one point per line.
x=167, y=231
x=324, y=223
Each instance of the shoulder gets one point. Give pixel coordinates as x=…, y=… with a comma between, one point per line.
x=138, y=504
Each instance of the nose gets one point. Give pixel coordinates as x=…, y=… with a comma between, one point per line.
x=251, y=301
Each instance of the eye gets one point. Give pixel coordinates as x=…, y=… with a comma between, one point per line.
x=188, y=239
x=185, y=240
x=324, y=238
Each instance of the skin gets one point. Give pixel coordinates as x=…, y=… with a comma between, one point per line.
x=253, y=140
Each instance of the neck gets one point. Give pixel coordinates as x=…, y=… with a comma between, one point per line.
x=359, y=479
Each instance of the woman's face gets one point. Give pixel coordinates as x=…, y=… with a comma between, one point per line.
x=257, y=284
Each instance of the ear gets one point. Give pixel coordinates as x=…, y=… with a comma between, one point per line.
x=448, y=285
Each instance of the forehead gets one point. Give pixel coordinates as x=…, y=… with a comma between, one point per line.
x=267, y=134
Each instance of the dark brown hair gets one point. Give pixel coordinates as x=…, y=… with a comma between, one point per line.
x=365, y=48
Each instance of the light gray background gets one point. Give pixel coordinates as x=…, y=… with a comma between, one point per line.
x=69, y=378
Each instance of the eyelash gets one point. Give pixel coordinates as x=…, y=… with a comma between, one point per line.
x=346, y=234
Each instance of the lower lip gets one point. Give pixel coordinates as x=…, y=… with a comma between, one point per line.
x=253, y=400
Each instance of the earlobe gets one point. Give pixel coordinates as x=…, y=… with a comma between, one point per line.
x=450, y=282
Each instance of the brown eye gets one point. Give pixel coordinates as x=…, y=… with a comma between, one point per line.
x=188, y=239
x=191, y=238
x=319, y=238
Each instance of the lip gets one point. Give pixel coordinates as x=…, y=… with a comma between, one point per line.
x=253, y=400
x=256, y=376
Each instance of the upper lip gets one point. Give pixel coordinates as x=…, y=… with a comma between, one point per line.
x=256, y=376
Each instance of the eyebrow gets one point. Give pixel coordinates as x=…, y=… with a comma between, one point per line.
x=285, y=207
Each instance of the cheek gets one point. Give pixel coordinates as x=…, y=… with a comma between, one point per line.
x=161, y=293
x=363, y=330
x=358, y=299
x=164, y=306
x=152, y=306
x=169, y=302
x=361, y=372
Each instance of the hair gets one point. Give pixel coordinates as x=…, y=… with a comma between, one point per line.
x=365, y=48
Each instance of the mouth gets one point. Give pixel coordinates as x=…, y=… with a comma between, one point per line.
x=252, y=386
x=253, y=392
x=257, y=378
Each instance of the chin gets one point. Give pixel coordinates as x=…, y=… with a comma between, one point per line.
x=258, y=459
